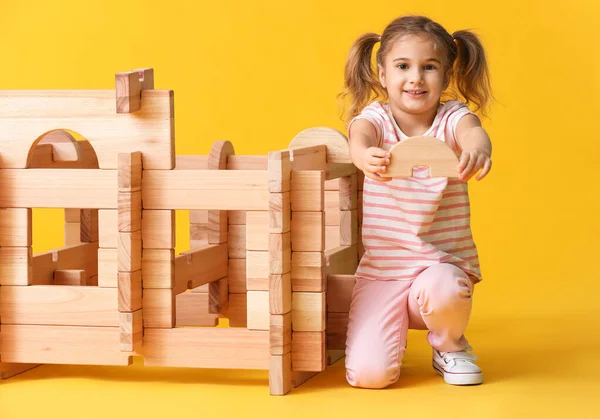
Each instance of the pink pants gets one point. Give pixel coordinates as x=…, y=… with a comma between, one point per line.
x=438, y=300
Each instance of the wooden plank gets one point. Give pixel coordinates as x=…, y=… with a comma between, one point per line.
x=59, y=305
x=129, y=251
x=129, y=171
x=237, y=276
x=207, y=264
x=78, y=256
x=339, y=293
x=89, y=225
x=108, y=228
x=280, y=374
x=247, y=163
x=15, y=227
x=70, y=277
x=74, y=345
x=58, y=188
x=205, y=189
x=25, y=115
x=279, y=212
x=130, y=211
x=312, y=157
x=130, y=291
x=207, y=348
x=280, y=293
x=280, y=253
x=217, y=220
x=218, y=296
x=108, y=268
x=191, y=162
x=192, y=310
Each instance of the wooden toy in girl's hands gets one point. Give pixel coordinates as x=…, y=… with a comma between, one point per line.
x=421, y=151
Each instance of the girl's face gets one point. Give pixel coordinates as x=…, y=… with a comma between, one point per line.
x=413, y=75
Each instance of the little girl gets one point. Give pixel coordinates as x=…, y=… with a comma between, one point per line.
x=420, y=262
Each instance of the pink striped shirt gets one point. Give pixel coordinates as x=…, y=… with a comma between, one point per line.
x=412, y=223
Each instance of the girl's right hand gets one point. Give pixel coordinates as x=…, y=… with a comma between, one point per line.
x=375, y=161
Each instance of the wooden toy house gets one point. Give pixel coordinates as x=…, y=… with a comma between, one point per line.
x=274, y=240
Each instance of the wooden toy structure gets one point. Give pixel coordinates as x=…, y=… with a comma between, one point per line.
x=274, y=240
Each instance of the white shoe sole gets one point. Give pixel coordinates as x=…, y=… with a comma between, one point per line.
x=464, y=379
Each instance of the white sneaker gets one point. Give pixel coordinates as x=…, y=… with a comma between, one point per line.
x=457, y=368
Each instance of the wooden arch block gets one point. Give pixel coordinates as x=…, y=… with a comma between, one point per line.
x=422, y=151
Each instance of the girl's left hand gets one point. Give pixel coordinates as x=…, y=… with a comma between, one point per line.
x=470, y=162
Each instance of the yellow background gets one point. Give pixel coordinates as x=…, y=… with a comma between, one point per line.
x=257, y=73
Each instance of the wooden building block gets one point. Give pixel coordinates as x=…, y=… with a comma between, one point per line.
x=236, y=217
x=308, y=271
x=348, y=196
x=337, y=327
x=192, y=310
x=348, y=227
x=130, y=291
x=281, y=333
x=158, y=268
x=130, y=171
x=279, y=212
x=307, y=190
x=158, y=229
x=258, y=310
x=58, y=305
x=332, y=208
x=130, y=211
x=108, y=228
x=129, y=251
x=237, y=312
x=313, y=157
x=76, y=345
x=308, y=311
x=204, y=189
x=206, y=348
x=280, y=374
x=280, y=294
x=332, y=184
x=78, y=256
x=332, y=237
x=89, y=225
x=16, y=266
x=280, y=253
x=236, y=241
x=70, y=277
x=15, y=227
x=217, y=227
x=159, y=308
x=206, y=264
x=257, y=270
x=72, y=215
x=339, y=293
x=237, y=276
x=108, y=268
x=72, y=233
x=198, y=217
x=186, y=162
x=308, y=231
x=308, y=351
x=131, y=331
x=279, y=168
x=129, y=86
x=247, y=163
x=218, y=296
x=257, y=230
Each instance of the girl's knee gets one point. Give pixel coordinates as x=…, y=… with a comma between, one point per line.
x=372, y=376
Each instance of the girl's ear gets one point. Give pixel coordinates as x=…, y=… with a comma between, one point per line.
x=381, y=73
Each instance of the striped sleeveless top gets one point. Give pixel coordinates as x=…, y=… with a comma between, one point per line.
x=410, y=224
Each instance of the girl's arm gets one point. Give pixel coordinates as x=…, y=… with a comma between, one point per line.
x=476, y=148
x=365, y=154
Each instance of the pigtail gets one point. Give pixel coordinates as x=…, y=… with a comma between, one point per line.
x=471, y=71
x=360, y=80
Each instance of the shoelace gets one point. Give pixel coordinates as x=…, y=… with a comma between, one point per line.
x=458, y=357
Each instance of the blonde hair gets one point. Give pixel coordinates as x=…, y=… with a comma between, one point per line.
x=465, y=62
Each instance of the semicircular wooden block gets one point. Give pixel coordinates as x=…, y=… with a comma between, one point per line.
x=338, y=150
x=422, y=151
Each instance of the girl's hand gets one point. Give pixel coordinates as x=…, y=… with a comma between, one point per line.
x=375, y=161
x=470, y=162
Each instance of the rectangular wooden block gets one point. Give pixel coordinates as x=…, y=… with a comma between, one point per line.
x=308, y=311
x=339, y=293
x=236, y=217
x=130, y=211
x=307, y=191
x=15, y=266
x=218, y=296
x=348, y=197
x=237, y=276
x=348, y=227
x=258, y=310
x=192, y=310
x=70, y=277
x=77, y=256
x=130, y=171
x=280, y=374
x=308, y=231
x=279, y=212
x=217, y=227
x=280, y=294
x=236, y=241
x=129, y=251
x=280, y=253
x=75, y=345
x=337, y=327
x=130, y=291
x=281, y=333
x=89, y=225
x=257, y=270
x=15, y=227
x=108, y=228
x=159, y=308
x=308, y=271
x=158, y=229
x=257, y=230
x=237, y=312
x=332, y=237
x=72, y=215
x=72, y=233
x=108, y=268
x=131, y=330
x=309, y=158
x=158, y=268
x=279, y=168
x=308, y=351
x=332, y=208
x=58, y=305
